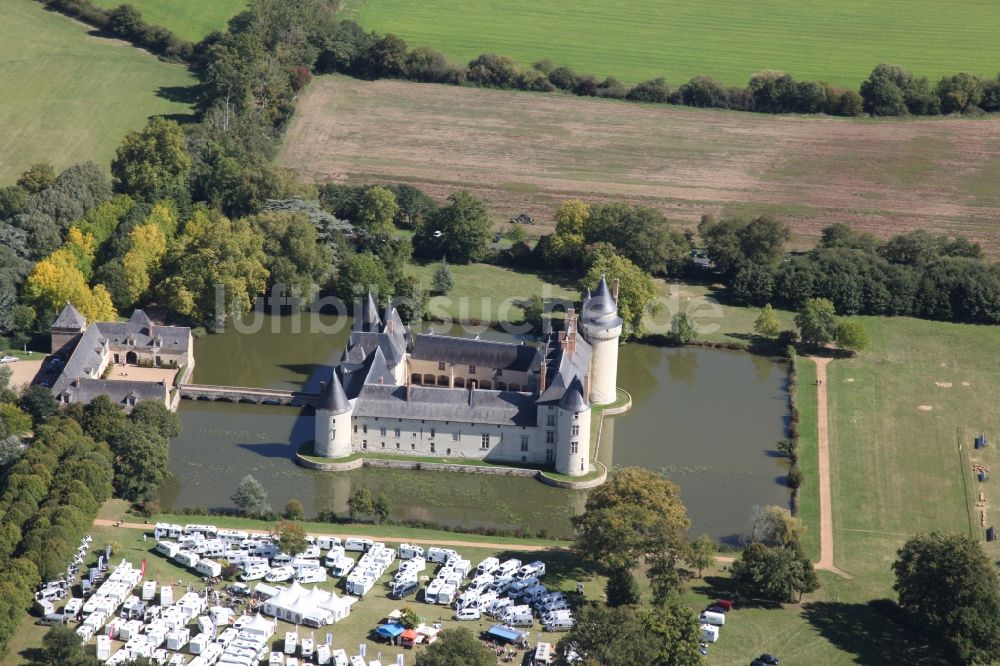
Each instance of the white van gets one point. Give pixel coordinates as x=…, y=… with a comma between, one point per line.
x=488, y=566
x=333, y=556
x=311, y=575
x=471, y=614
x=408, y=551
x=254, y=572
x=708, y=617
x=432, y=590
x=358, y=545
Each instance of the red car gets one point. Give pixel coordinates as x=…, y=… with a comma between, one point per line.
x=724, y=604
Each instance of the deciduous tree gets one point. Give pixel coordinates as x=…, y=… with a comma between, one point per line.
x=636, y=291
x=152, y=163
x=456, y=646
x=766, y=325
x=817, y=321
x=250, y=497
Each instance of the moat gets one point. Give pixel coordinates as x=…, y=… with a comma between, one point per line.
x=707, y=419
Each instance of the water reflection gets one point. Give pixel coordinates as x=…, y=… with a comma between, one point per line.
x=706, y=418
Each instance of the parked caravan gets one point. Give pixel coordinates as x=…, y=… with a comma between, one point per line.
x=343, y=566
x=279, y=574
x=543, y=655
x=167, y=548
x=323, y=654
x=439, y=555
x=213, y=548
x=103, y=647
x=149, y=590
x=518, y=616
x=307, y=648
x=208, y=568
x=709, y=633
x=255, y=572
x=360, y=586
x=268, y=550
x=311, y=575
x=185, y=558
x=166, y=595
x=232, y=537
x=409, y=551
x=708, y=617
x=333, y=556
x=291, y=642
x=208, y=531
x=167, y=531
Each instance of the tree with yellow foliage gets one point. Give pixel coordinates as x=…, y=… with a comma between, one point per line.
x=143, y=260
x=57, y=279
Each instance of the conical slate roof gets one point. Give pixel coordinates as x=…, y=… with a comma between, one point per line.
x=334, y=400
x=573, y=400
x=368, y=319
x=601, y=308
x=70, y=317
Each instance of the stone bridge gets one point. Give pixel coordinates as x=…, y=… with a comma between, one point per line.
x=257, y=396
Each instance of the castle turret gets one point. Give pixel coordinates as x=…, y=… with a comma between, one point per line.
x=333, y=421
x=573, y=451
x=602, y=328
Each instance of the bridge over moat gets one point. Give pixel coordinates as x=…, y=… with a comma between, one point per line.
x=259, y=396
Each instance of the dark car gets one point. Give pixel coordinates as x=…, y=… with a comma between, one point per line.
x=715, y=609
x=765, y=660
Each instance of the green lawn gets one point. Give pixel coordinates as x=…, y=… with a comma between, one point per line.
x=728, y=39
x=69, y=96
x=189, y=19
x=487, y=293
x=808, y=454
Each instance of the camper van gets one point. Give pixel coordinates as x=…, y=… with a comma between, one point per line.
x=358, y=545
x=167, y=548
x=408, y=551
x=311, y=575
x=307, y=648
x=333, y=556
x=254, y=572
x=521, y=586
x=404, y=588
x=559, y=624
x=279, y=575
x=439, y=555
x=232, y=537
x=467, y=614
x=446, y=595
x=360, y=586
x=518, y=616
x=496, y=609
x=535, y=569
x=343, y=566
x=488, y=566
x=709, y=633
x=185, y=558
x=432, y=590
x=507, y=568
x=209, y=531
x=291, y=642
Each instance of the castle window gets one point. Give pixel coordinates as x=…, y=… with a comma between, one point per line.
x=396, y=432
x=383, y=445
x=550, y=436
x=364, y=428
x=364, y=443
x=472, y=369
x=355, y=428
x=524, y=458
x=413, y=447
x=574, y=430
x=432, y=447
x=581, y=465
x=550, y=420
x=455, y=436
x=333, y=433
x=574, y=447
x=440, y=365
x=499, y=372
x=381, y=431
x=432, y=432
x=486, y=440
x=397, y=446
x=550, y=455
x=524, y=442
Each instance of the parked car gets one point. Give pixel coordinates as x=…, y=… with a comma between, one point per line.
x=8, y=359
x=51, y=619
x=765, y=660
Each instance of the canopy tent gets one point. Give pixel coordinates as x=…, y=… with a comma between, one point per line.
x=504, y=634
x=391, y=630
x=409, y=636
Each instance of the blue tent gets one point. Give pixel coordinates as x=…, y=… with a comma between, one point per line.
x=391, y=630
x=503, y=633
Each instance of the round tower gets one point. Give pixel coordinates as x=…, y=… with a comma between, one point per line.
x=333, y=422
x=602, y=328
x=573, y=449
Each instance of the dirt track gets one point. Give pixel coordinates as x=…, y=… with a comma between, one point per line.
x=526, y=152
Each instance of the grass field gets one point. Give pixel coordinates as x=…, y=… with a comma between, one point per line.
x=526, y=152
x=728, y=39
x=69, y=96
x=189, y=19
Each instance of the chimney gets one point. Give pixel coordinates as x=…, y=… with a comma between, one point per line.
x=614, y=289
x=541, y=377
x=409, y=391
x=586, y=386
x=388, y=326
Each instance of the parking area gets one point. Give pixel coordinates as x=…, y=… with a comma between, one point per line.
x=25, y=371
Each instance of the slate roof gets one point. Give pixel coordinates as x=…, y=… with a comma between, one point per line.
x=444, y=404
x=86, y=389
x=467, y=351
x=601, y=309
x=573, y=400
x=334, y=400
x=70, y=318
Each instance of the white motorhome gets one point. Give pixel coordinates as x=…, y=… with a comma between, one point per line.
x=206, y=530
x=326, y=542
x=333, y=556
x=446, y=595
x=254, y=572
x=559, y=624
x=167, y=531
x=439, y=555
x=185, y=558
x=208, y=568
x=167, y=548
x=358, y=545
x=432, y=590
x=291, y=642
x=488, y=566
x=279, y=574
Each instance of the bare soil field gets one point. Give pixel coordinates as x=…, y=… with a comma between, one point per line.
x=525, y=152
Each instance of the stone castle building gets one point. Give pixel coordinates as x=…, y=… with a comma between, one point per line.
x=433, y=395
x=90, y=349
